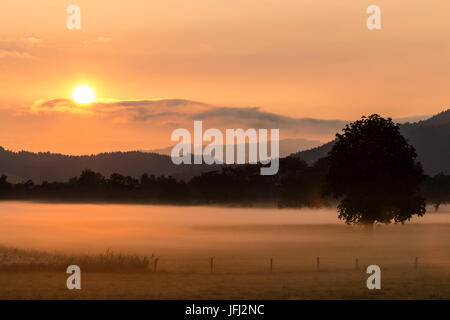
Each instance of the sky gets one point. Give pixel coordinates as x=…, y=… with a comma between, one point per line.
x=303, y=66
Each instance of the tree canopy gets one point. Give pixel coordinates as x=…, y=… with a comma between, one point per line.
x=374, y=172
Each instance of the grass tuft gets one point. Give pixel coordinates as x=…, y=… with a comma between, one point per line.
x=109, y=262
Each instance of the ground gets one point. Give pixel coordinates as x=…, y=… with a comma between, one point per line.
x=339, y=284
x=40, y=241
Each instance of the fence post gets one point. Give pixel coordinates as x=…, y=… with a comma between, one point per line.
x=318, y=263
x=357, y=264
x=155, y=266
x=212, y=265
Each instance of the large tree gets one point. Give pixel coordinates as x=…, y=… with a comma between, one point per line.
x=374, y=172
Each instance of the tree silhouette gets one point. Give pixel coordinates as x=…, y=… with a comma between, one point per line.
x=373, y=170
x=437, y=190
x=5, y=186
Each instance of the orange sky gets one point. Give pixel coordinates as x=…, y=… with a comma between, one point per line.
x=291, y=58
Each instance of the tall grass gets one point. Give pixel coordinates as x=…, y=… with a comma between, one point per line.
x=108, y=262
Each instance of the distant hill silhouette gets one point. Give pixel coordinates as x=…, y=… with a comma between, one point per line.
x=430, y=137
x=287, y=146
x=22, y=166
x=314, y=154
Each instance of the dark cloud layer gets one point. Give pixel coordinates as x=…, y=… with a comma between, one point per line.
x=183, y=112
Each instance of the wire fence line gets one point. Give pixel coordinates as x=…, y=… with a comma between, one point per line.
x=214, y=265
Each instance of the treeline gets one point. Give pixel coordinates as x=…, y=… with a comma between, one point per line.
x=297, y=184
x=436, y=190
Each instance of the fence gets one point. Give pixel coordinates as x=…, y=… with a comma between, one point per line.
x=271, y=265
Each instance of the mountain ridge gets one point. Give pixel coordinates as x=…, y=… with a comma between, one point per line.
x=46, y=166
x=430, y=138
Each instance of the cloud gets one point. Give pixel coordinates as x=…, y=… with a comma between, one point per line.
x=14, y=54
x=160, y=110
x=257, y=118
x=167, y=112
x=97, y=40
x=136, y=110
x=33, y=40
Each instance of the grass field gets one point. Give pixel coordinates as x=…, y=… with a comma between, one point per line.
x=340, y=284
x=242, y=246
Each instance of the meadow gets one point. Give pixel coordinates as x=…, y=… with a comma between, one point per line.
x=116, y=246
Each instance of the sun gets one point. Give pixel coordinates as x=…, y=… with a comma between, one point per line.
x=83, y=94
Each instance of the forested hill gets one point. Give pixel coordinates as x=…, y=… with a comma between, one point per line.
x=21, y=166
x=430, y=137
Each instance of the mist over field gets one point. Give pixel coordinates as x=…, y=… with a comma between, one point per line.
x=180, y=233
x=242, y=242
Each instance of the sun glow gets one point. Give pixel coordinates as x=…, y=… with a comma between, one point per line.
x=83, y=94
